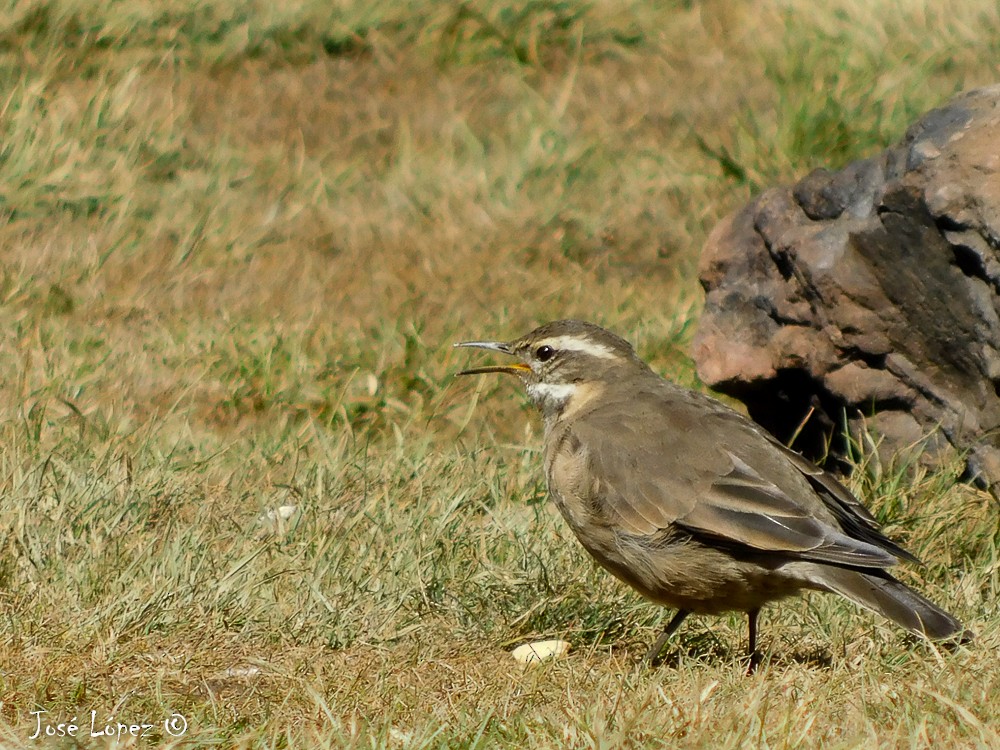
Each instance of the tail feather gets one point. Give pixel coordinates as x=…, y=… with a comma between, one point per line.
x=882, y=593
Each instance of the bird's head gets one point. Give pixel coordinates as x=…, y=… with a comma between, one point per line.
x=563, y=361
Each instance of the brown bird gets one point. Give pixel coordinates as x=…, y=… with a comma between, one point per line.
x=689, y=502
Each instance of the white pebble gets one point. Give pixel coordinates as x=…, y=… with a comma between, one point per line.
x=282, y=513
x=528, y=653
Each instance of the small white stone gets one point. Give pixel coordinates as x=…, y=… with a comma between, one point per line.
x=241, y=672
x=282, y=512
x=528, y=653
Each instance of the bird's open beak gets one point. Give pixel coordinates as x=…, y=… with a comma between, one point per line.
x=498, y=346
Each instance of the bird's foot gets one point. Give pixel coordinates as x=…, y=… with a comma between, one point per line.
x=755, y=659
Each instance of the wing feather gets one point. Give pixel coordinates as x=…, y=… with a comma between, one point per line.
x=744, y=490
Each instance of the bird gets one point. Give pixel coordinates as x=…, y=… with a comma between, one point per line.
x=691, y=503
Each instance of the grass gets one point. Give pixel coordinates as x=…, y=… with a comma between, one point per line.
x=239, y=239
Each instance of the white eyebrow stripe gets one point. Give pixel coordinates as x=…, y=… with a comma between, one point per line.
x=572, y=343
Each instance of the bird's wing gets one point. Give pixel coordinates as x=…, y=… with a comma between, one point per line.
x=688, y=462
x=853, y=517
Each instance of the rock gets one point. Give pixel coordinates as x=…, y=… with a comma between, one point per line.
x=281, y=513
x=528, y=653
x=871, y=292
x=277, y=520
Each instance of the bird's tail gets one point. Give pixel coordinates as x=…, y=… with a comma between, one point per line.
x=882, y=593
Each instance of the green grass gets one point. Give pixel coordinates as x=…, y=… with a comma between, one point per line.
x=239, y=240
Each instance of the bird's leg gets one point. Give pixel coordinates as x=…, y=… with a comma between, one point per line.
x=674, y=623
x=752, y=651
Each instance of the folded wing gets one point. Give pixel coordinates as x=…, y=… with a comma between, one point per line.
x=744, y=489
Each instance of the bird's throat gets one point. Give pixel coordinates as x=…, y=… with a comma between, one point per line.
x=551, y=398
x=560, y=401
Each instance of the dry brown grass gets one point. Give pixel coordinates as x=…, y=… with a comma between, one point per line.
x=238, y=242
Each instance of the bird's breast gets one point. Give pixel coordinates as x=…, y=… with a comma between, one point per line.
x=569, y=481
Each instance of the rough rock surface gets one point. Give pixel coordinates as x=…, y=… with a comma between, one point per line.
x=872, y=292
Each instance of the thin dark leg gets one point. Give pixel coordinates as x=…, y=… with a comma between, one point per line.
x=657, y=647
x=752, y=646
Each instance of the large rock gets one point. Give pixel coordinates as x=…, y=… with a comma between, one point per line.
x=871, y=293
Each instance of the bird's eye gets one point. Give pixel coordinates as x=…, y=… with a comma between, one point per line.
x=544, y=353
